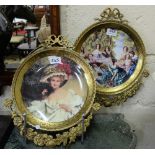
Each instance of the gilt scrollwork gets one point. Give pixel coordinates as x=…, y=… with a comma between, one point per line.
x=8, y=103
x=146, y=73
x=44, y=139
x=53, y=41
x=109, y=100
x=109, y=14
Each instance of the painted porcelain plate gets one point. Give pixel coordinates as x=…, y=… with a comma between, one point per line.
x=54, y=87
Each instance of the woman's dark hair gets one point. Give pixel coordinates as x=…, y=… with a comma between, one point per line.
x=49, y=90
x=99, y=46
x=126, y=48
x=132, y=52
x=82, y=50
x=108, y=48
x=63, y=83
x=114, y=60
x=107, y=54
x=36, y=94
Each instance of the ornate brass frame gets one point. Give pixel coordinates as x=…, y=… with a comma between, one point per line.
x=52, y=134
x=63, y=50
x=49, y=139
x=116, y=95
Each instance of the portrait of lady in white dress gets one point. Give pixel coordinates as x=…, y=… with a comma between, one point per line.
x=61, y=90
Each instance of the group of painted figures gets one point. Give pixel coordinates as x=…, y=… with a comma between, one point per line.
x=108, y=70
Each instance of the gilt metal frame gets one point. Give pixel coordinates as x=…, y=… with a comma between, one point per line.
x=112, y=18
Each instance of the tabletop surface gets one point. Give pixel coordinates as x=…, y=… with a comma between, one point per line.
x=106, y=131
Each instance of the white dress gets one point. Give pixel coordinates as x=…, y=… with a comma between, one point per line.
x=51, y=112
x=96, y=53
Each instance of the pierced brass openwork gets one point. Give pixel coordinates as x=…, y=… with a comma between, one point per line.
x=53, y=41
x=109, y=15
x=47, y=139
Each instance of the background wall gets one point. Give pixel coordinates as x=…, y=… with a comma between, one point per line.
x=139, y=111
